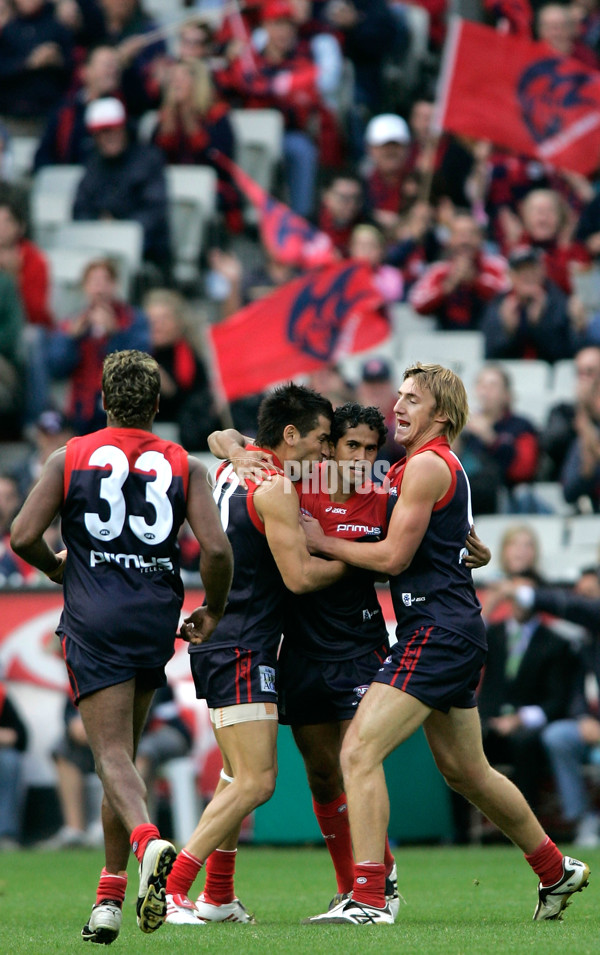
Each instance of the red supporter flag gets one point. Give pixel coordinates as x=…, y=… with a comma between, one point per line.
x=310, y=321
x=288, y=237
x=521, y=95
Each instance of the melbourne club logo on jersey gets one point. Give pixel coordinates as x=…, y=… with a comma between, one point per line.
x=550, y=94
x=408, y=600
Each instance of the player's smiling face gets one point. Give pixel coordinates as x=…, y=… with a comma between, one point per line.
x=314, y=446
x=355, y=454
x=415, y=411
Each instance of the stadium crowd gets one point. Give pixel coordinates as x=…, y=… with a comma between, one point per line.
x=460, y=236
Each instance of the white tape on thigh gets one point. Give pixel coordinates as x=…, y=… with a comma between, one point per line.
x=242, y=713
x=223, y=775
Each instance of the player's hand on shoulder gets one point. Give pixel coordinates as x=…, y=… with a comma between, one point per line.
x=479, y=555
x=198, y=627
x=255, y=466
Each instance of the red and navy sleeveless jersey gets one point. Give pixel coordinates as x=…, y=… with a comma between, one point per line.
x=437, y=589
x=343, y=620
x=253, y=617
x=125, y=494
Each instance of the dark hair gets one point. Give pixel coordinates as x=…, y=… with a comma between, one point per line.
x=290, y=404
x=131, y=385
x=15, y=209
x=351, y=415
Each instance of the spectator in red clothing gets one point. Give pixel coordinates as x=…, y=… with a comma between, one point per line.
x=77, y=349
x=532, y=319
x=498, y=449
x=283, y=77
x=387, y=137
x=27, y=265
x=342, y=208
x=556, y=25
x=544, y=224
x=192, y=122
x=457, y=290
x=185, y=394
x=66, y=138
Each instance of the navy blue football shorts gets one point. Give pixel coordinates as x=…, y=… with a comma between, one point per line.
x=88, y=673
x=323, y=691
x=440, y=668
x=228, y=675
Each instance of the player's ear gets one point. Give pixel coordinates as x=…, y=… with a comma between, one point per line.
x=290, y=434
x=103, y=402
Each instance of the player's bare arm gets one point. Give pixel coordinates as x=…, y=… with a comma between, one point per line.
x=216, y=556
x=426, y=480
x=277, y=506
x=39, y=510
x=230, y=445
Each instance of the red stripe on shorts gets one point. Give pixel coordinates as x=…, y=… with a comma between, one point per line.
x=410, y=657
x=242, y=674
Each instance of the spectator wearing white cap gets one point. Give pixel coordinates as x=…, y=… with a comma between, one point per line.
x=66, y=138
x=387, y=139
x=124, y=180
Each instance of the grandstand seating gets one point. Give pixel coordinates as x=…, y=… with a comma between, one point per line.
x=120, y=240
x=259, y=145
x=52, y=196
x=192, y=202
x=23, y=150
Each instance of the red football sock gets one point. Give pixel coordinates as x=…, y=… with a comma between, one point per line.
x=181, y=877
x=111, y=887
x=547, y=862
x=388, y=858
x=141, y=836
x=369, y=883
x=220, y=869
x=333, y=823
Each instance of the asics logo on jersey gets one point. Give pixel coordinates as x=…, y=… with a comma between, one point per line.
x=369, y=614
x=137, y=561
x=336, y=510
x=360, y=528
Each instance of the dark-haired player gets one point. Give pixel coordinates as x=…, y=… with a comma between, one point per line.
x=336, y=639
x=123, y=494
x=236, y=671
x=337, y=636
x=433, y=670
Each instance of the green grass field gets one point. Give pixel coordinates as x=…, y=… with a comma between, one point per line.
x=459, y=901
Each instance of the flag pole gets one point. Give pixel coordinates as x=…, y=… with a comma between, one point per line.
x=439, y=112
